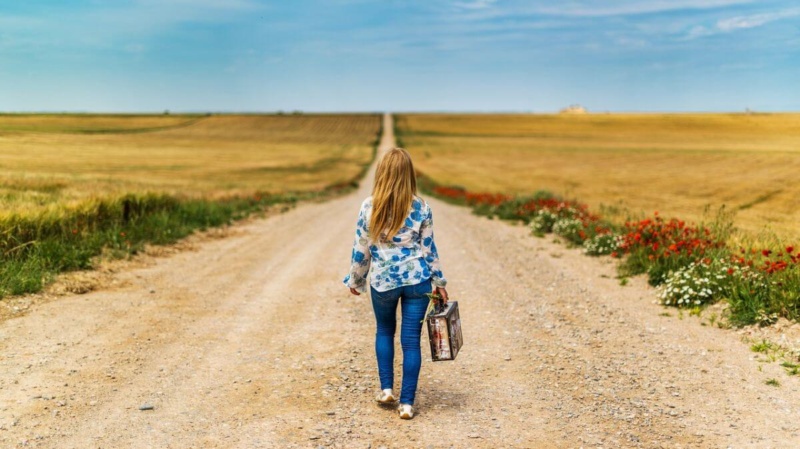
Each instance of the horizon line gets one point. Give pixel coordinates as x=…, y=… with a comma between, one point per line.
x=433, y=111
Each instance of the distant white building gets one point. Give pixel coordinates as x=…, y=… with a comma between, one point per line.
x=574, y=109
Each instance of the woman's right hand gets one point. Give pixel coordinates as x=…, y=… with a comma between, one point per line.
x=354, y=291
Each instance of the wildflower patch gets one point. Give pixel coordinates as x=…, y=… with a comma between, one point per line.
x=691, y=264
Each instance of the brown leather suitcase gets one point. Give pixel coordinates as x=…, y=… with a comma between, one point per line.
x=444, y=331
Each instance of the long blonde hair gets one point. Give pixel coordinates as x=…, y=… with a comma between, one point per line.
x=395, y=187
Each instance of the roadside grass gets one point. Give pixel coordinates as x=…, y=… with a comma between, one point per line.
x=771, y=352
x=693, y=265
x=763, y=347
x=36, y=248
x=70, y=197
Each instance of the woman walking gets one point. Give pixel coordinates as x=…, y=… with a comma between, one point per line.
x=394, y=236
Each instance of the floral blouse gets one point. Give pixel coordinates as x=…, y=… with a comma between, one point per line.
x=409, y=258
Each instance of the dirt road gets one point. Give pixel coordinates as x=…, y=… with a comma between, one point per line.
x=251, y=341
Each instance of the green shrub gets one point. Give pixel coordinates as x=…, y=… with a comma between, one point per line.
x=758, y=297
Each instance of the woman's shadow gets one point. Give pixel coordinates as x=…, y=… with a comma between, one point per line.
x=442, y=396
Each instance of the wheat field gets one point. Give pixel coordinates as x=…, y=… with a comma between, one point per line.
x=49, y=161
x=91, y=123
x=677, y=164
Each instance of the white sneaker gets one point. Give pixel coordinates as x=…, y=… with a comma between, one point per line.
x=406, y=411
x=385, y=396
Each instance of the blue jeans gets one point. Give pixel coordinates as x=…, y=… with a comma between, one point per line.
x=414, y=302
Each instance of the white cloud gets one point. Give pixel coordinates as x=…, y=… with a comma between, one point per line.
x=475, y=4
x=625, y=41
x=226, y=5
x=481, y=10
x=732, y=24
x=595, y=8
x=755, y=20
x=699, y=31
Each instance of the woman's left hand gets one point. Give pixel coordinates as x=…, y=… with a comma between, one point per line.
x=443, y=293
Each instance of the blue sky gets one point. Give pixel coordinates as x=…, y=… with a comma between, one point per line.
x=356, y=55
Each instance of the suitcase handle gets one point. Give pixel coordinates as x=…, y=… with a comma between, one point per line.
x=438, y=302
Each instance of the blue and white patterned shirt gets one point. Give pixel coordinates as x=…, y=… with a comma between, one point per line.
x=409, y=258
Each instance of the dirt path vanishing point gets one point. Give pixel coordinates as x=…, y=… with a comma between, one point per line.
x=252, y=342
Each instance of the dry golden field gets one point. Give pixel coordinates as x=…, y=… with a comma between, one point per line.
x=90, y=123
x=55, y=160
x=674, y=163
